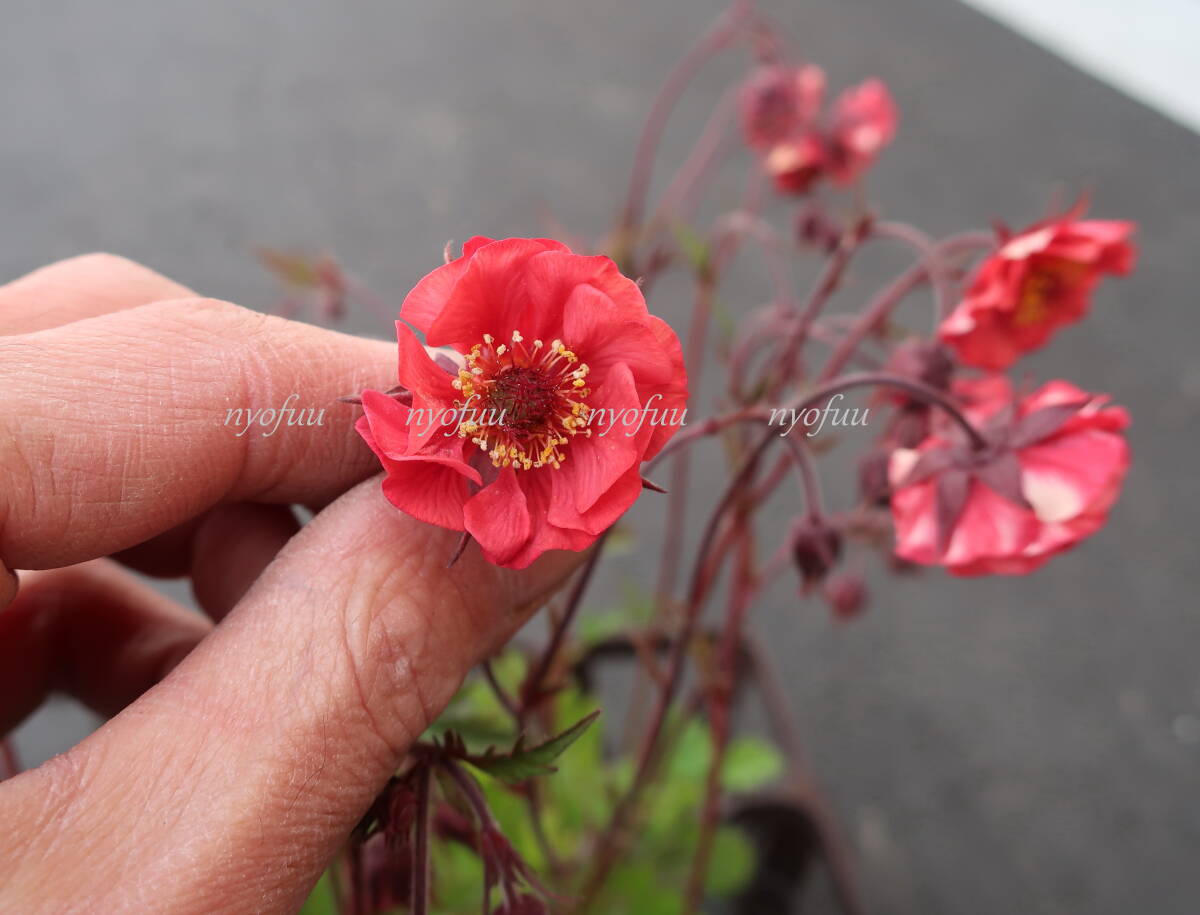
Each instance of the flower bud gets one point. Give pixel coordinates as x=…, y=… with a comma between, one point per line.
x=816, y=546
x=796, y=163
x=926, y=361
x=815, y=228
x=778, y=101
x=846, y=595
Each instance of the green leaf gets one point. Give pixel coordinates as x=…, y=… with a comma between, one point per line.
x=635, y=609
x=692, y=753
x=749, y=764
x=526, y=762
x=641, y=888
x=457, y=876
x=730, y=864
x=320, y=901
x=475, y=713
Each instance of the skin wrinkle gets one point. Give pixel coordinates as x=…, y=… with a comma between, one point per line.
x=196, y=840
x=250, y=826
x=64, y=781
x=144, y=811
x=80, y=287
x=16, y=453
x=76, y=446
x=381, y=596
x=302, y=789
x=265, y=389
x=248, y=762
x=206, y=344
x=91, y=631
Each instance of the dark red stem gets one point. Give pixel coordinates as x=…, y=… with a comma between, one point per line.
x=420, y=851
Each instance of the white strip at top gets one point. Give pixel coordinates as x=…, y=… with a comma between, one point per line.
x=1150, y=49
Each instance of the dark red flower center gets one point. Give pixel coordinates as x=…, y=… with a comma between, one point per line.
x=525, y=396
x=522, y=402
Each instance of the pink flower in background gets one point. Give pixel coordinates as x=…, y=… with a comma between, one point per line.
x=781, y=118
x=779, y=101
x=1051, y=471
x=797, y=164
x=864, y=122
x=566, y=385
x=1038, y=281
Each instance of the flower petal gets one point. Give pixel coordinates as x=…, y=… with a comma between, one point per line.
x=497, y=517
x=427, y=380
x=596, y=461
x=603, y=336
x=424, y=303
x=490, y=295
x=554, y=275
x=431, y=490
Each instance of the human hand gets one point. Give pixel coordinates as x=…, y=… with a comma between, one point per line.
x=244, y=746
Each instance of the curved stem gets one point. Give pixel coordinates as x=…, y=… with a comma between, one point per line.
x=501, y=694
x=876, y=312
x=740, y=222
x=609, y=848
x=531, y=691
x=810, y=399
x=720, y=698
x=703, y=577
x=719, y=35
x=921, y=391
x=420, y=849
x=674, y=204
x=672, y=547
x=810, y=483
x=827, y=284
x=804, y=788
x=929, y=250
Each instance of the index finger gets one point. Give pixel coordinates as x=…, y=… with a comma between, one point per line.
x=118, y=427
x=81, y=287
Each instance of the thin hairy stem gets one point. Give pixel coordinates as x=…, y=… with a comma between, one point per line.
x=531, y=692
x=722, y=32
x=421, y=872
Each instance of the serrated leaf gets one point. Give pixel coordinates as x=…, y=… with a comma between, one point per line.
x=525, y=762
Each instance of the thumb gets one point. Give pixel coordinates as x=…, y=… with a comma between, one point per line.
x=231, y=784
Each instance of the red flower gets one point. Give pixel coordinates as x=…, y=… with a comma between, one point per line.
x=780, y=101
x=862, y=122
x=1051, y=471
x=798, y=163
x=1039, y=280
x=566, y=385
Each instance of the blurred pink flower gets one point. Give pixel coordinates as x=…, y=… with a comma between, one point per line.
x=842, y=146
x=864, y=121
x=779, y=101
x=1038, y=281
x=1052, y=469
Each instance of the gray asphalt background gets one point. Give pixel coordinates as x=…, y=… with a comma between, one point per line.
x=993, y=746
